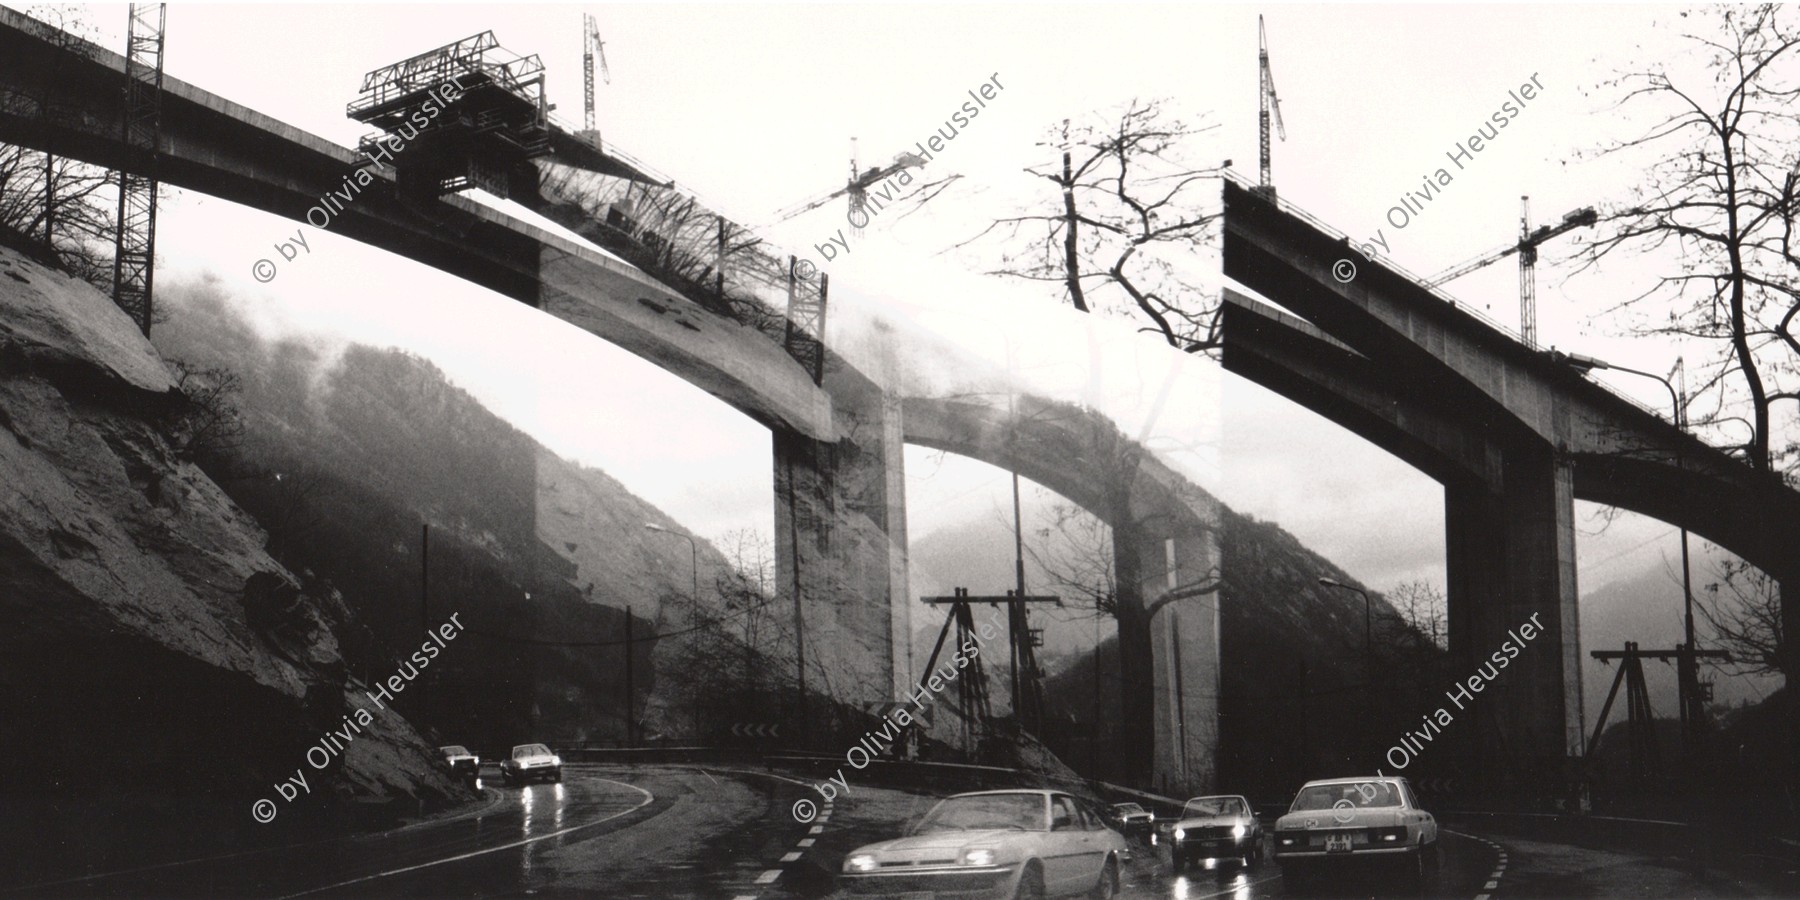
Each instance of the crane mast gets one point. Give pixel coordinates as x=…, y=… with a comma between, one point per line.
x=1269, y=105
x=1529, y=240
x=593, y=53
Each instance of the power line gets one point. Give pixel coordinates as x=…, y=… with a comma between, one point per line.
x=509, y=639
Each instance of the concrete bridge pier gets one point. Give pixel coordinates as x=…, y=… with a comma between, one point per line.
x=1184, y=640
x=840, y=548
x=1511, y=563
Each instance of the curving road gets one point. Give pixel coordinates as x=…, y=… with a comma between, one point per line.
x=683, y=832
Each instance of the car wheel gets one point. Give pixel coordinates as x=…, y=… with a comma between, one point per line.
x=1108, y=886
x=1031, y=884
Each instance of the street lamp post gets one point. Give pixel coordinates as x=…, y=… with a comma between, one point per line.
x=1368, y=634
x=1678, y=417
x=1368, y=646
x=694, y=560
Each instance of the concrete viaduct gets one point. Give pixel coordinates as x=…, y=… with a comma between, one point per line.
x=838, y=479
x=1514, y=436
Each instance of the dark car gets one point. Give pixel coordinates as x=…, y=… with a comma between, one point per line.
x=1130, y=818
x=1214, y=829
x=458, y=762
x=531, y=762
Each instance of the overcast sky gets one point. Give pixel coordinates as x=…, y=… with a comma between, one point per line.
x=753, y=108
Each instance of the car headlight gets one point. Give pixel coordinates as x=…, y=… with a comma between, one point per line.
x=1180, y=834
x=1153, y=817
x=556, y=760
x=980, y=857
x=1238, y=831
x=861, y=862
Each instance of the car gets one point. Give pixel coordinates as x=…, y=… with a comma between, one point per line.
x=1131, y=818
x=531, y=761
x=994, y=844
x=1340, y=820
x=1216, y=828
x=459, y=762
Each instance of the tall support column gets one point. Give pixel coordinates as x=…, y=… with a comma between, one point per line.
x=1185, y=636
x=1166, y=572
x=840, y=549
x=1511, y=563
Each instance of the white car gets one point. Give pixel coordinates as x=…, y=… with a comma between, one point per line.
x=1343, y=819
x=994, y=844
x=529, y=762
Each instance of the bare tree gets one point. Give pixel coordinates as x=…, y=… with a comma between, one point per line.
x=1074, y=550
x=1723, y=195
x=1743, y=608
x=53, y=207
x=1122, y=213
x=208, y=426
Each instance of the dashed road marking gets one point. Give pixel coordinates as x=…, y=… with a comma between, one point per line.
x=791, y=856
x=808, y=842
x=768, y=877
x=817, y=829
x=1494, y=877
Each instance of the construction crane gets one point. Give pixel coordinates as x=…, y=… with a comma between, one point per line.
x=593, y=53
x=134, y=243
x=1527, y=250
x=856, y=188
x=1270, y=105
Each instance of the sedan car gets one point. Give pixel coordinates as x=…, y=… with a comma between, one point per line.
x=994, y=844
x=1131, y=818
x=1344, y=819
x=459, y=762
x=1216, y=828
x=531, y=761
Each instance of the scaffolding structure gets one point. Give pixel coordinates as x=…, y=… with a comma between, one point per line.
x=134, y=242
x=467, y=114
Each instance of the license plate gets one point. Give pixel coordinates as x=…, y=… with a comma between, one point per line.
x=1337, y=843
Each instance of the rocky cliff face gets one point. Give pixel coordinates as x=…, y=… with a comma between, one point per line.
x=152, y=647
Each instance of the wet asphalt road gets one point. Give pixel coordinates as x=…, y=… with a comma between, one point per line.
x=683, y=832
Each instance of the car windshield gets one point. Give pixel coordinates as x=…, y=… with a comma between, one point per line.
x=1361, y=794
x=1129, y=808
x=530, y=750
x=1024, y=812
x=454, y=750
x=1206, y=807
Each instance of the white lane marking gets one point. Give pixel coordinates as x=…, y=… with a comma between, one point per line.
x=494, y=796
x=1490, y=885
x=808, y=842
x=1482, y=896
x=817, y=829
x=791, y=856
x=744, y=897
x=768, y=877
x=648, y=797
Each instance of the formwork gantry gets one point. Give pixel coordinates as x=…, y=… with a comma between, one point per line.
x=467, y=114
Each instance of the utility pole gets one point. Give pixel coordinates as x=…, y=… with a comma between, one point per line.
x=424, y=588
x=630, y=693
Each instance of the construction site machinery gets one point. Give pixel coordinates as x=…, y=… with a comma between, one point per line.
x=467, y=114
x=1527, y=249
